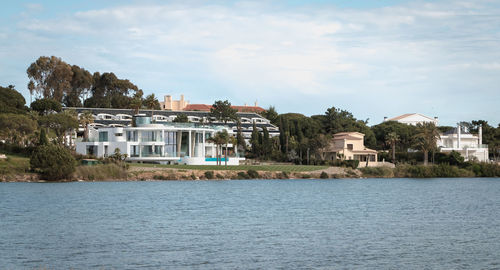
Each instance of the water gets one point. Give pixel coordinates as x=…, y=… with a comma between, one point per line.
x=284, y=224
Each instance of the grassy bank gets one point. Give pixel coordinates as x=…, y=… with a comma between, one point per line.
x=270, y=168
x=101, y=172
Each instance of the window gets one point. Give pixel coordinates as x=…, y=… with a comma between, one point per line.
x=132, y=136
x=103, y=136
x=134, y=150
x=349, y=146
x=118, y=134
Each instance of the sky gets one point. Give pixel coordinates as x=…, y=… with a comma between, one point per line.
x=372, y=58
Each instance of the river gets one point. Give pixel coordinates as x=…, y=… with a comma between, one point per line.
x=252, y=224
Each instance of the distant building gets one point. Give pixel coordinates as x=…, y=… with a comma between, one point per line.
x=173, y=105
x=350, y=146
x=470, y=146
x=413, y=119
x=182, y=105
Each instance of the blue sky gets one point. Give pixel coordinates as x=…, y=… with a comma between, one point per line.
x=373, y=58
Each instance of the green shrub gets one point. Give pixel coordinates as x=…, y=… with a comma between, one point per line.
x=209, y=174
x=193, y=176
x=219, y=176
x=377, y=172
x=285, y=175
x=242, y=175
x=53, y=162
x=105, y=172
x=323, y=175
x=253, y=174
x=306, y=176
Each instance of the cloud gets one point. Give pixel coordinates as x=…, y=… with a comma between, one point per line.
x=247, y=50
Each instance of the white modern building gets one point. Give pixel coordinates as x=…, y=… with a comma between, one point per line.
x=166, y=143
x=470, y=146
x=413, y=119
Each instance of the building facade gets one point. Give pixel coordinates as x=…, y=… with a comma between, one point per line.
x=169, y=104
x=413, y=119
x=350, y=146
x=170, y=143
x=470, y=146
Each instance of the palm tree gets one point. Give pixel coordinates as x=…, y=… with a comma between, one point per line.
x=86, y=118
x=136, y=102
x=426, y=138
x=220, y=138
x=391, y=139
x=151, y=102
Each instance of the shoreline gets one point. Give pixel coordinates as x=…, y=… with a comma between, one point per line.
x=151, y=174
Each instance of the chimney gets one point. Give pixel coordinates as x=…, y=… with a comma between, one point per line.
x=436, y=120
x=182, y=97
x=459, y=131
x=245, y=104
x=480, y=135
x=256, y=103
x=385, y=118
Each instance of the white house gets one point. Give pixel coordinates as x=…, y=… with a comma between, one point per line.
x=413, y=119
x=183, y=143
x=470, y=146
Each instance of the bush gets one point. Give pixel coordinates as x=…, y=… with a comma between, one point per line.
x=306, y=176
x=323, y=175
x=345, y=163
x=105, y=172
x=377, y=172
x=52, y=162
x=219, y=176
x=242, y=175
x=441, y=170
x=209, y=174
x=253, y=174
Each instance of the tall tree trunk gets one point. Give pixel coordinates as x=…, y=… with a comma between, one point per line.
x=426, y=157
x=393, y=153
x=225, y=158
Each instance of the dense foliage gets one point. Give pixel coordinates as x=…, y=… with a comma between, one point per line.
x=53, y=162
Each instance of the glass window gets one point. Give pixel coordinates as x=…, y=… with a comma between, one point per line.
x=103, y=136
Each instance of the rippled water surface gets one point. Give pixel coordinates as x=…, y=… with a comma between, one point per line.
x=287, y=224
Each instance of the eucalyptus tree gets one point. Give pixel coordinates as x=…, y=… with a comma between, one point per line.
x=50, y=77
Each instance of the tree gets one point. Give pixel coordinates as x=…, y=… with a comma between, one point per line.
x=391, y=139
x=53, y=162
x=181, y=118
x=110, y=92
x=46, y=105
x=136, y=102
x=43, y=138
x=223, y=111
x=220, y=138
x=426, y=138
x=254, y=141
x=51, y=77
x=152, y=103
x=60, y=123
x=266, y=143
x=85, y=119
x=81, y=83
x=271, y=115
x=11, y=101
x=15, y=128
x=240, y=140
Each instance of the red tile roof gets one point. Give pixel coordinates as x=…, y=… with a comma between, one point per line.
x=206, y=108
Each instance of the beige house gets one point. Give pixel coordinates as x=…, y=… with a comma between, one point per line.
x=350, y=146
x=173, y=105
